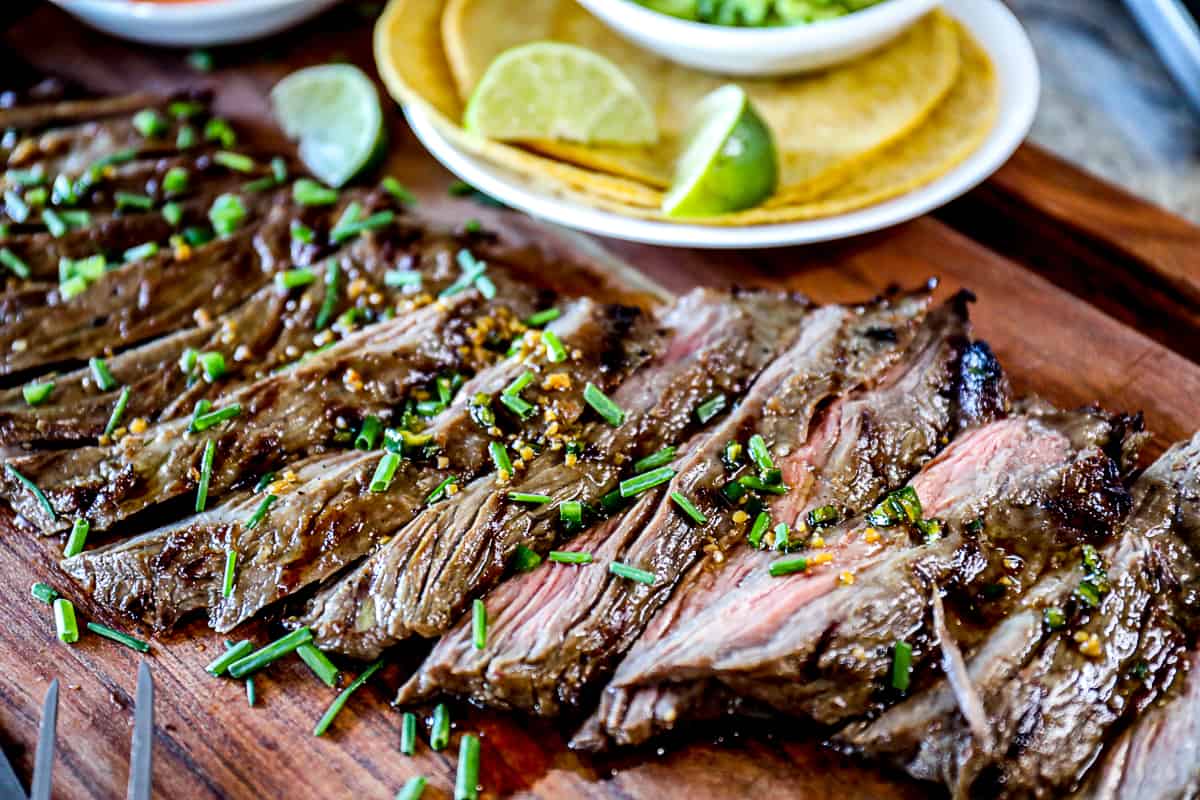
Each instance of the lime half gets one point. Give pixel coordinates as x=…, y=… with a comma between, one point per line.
x=333, y=110
x=547, y=90
x=728, y=161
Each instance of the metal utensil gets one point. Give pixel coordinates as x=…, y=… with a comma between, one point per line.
x=141, y=747
x=43, y=762
x=1171, y=28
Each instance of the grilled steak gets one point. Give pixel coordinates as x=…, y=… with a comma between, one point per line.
x=868, y=443
x=35, y=110
x=422, y=579
x=1092, y=644
x=326, y=517
x=557, y=629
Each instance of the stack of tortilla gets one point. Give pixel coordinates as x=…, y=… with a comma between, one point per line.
x=848, y=137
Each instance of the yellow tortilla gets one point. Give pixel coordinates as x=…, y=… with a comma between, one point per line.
x=951, y=133
x=825, y=124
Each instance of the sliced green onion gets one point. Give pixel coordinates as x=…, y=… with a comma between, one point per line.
x=319, y=663
x=472, y=226
x=302, y=233
x=518, y=405
x=555, y=352
x=186, y=138
x=569, y=557
x=822, y=516
x=114, y=420
x=15, y=207
x=227, y=214
x=38, y=494
x=54, y=223
x=761, y=523
x=212, y=364
x=341, y=232
x=631, y=573
x=385, y=472
x=271, y=653
x=37, y=393
x=531, y=499
x=279, y=169
x=440, y=491
x=439, y=729
x=266, y=480
x=781, y=537
x=369, y=433
x=525, y=559
x=18, y=267
x=931, y=529
x=260, y=513
x=472, y=269
x=140, y=253
x=149, y=123
x=710, y=408
x=251, y=693
x=689, y=509
x=655, y=460
x=308, y=192
x=63, y=191
x=201, y=408
x=1054, y=618
x=901, y=665
x=398, y=192
x=400, y=278
x=485, y=286
x=197, y=236
x=408, y=733
x=218, y=130
x=116, y=636
x=603, y=405
x=25, y=177
x=632, y=487
x=519, y=383
x=466, y=783
x=413, y=789
x=44, y=592
x=176, y=180
x=212, y=418
x=140, y=202
x=206, y=463
x=294, y=278
x=64, y=621
x=543, y=317
x=77, y=539
x=500, y=457
x=787, y=566
x=760, y=454
x=234, y=161
x=100, y=373
x=185, y=109
x=333, y=278
x=173, y=213
x=479, y=623
x=757, y=484
x=235, y=653
x=37, y=197
x=113, y=159
x=571, y=512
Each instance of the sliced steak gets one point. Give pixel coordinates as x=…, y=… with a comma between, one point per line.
x=325, y=517
x=430, y=570
x=560, y=627
x=867, y=444
x=33, y=112
x=1093, y=643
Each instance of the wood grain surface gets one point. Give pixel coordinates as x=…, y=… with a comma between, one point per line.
x=1120, y=333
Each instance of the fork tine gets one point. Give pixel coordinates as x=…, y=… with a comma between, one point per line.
x=141, y=748
x=43, y=762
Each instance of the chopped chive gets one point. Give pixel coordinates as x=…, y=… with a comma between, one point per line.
x=227, y=214
x=1054, y=618
x=341, y=232
x=205, y=421
x=385, y=472
x=72, y=287
x=200, y=60
x=118, y=412
x=140, y=253
x=235, y=653
x=500, y=457
x=555, y=352
x=62, y=193
x=654, y=460
x=525, y=559
x=38, y=494
x=486, y=287
x=176, y=180
x=206, y=462
x=64, y=621
x=173, y=213
x=531, y=499
x=516, y=404
x=571, y=512
x=19, y=268
x=710, y=408
x=75, y=219
x=479, y=622
x=519, y=383
x=901, y=665
x=77, y=539
x=266, y=480
x=408, y=733
x=756, y=484
x=638, y=484
x=569, y=557
x=234, y=161
x=212, y=364
x=319, y=663
x=308, y=192
x=44, y=592
x=260, y=184
x=466, y=782
x=37, y=197
x=103, y=378
x=260, y=513
x=185, y=109
x=117, y=636
x=689, y=509
x=398, y=192
x=760, y=454
x=543, y=317
x=441, y=490
x=787, y=566
x=781, y=537
x=369, y=433
x=429, y=408
x=472, y=226
x=271, y=653
x=439, y=728
x=196, y=236
x=54, y=223
x=149, y=123
x=294, y=278
x=631, y=573
x=302, y=233
x=16, y=208
x=472, y=268
x=37, y=393
x=279, y=169
x=413, y=789
x=218, y=130
x=251, y=692
x=200, y=409
x=26, y=177
x=113, y=159
x=603, y=405
x=186, y=137
x=400, y=278
x=333, y=279
x=761, y=523
x=140, y=202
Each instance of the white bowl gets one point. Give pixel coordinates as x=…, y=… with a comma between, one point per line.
x=203, y=23
x=760, y=52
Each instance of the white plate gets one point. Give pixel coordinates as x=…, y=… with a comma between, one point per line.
x=198, y=24
x=993, y=25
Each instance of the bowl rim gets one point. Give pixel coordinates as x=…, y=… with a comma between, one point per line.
x=876, y=20
x=197, y=10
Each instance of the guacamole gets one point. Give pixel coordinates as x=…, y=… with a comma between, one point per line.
x=757, y=13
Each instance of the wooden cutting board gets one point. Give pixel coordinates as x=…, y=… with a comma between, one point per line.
x=1086, y=294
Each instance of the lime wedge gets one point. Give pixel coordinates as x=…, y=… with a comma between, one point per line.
x=333, y=110
x=547, y=90
x=728, y=161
